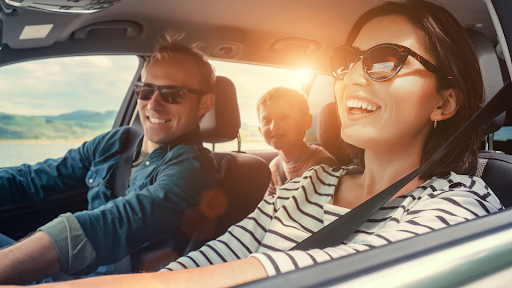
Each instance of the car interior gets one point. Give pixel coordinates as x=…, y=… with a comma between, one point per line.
x=289, y=34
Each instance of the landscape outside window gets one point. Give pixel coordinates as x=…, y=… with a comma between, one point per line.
x=50, y=106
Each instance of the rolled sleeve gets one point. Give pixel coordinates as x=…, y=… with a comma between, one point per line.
x=74, y=249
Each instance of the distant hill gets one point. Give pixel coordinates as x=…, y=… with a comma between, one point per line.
x=86, y=116
x=77, y=124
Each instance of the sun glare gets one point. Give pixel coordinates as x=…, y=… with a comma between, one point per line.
x=304, y=78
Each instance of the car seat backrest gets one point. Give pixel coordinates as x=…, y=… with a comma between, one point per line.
x=328, y=129
x=491, y=73
x=495, y=168
x=243, y=178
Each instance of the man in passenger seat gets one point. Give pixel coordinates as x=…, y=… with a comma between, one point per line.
x=171, y=170
x=284, y=119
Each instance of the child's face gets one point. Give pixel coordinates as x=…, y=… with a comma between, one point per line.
x=281, y=125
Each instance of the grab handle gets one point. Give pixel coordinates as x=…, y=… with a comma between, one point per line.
x=133, y=29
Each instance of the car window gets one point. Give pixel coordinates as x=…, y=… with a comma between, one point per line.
x=504, y=134
x=251, y=82
x=52, y=105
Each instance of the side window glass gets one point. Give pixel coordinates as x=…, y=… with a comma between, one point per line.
x=322, y=92
x=52, y=105
x=503, y=139
x=504, y=134
x=251, y=82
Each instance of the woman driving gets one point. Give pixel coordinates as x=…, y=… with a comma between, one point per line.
x=407, y=79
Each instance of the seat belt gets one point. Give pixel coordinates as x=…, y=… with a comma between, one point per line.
x=122, y=179
x=340, y=229
x=280, y=170
x=125, y=161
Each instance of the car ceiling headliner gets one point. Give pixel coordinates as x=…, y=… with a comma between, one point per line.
x=255, y=25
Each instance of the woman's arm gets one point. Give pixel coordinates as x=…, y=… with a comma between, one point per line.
x=221, y=275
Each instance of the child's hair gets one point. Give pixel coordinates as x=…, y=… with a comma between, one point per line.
x=295, y=98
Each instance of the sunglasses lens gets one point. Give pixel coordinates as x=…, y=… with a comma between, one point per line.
x=382, y=62
x=144, y=92
x=173, y=96
x=341, y=62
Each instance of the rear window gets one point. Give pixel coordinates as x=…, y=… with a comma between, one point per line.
x=251, y=82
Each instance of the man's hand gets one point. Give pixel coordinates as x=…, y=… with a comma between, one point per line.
x=32, y=259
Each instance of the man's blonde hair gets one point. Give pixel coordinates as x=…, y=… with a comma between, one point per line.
x=296, y=99
x=172, y=47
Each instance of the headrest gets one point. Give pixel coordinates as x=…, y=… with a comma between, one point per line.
x=491, y=73
x=222, y=123
x=328, y=127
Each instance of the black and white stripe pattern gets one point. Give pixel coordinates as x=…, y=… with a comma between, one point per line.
x=300, y=207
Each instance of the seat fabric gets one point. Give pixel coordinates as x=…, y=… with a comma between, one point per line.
x=328, y=128
x=497, y=175
x=243, y=180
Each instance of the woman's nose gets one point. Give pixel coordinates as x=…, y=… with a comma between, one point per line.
x=356, y=75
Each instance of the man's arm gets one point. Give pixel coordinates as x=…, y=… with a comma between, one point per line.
x=37, y=257
x=29, y=260
x=28, y=183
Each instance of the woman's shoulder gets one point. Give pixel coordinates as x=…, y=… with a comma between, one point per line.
x=455, y=187
x=317, y=180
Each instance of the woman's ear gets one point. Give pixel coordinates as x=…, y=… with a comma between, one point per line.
x=446, y=107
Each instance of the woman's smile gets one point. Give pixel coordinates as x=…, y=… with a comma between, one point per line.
x=358, y=108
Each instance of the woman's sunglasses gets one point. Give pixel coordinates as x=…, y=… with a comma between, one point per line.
x=380, y=62
x=172, y=94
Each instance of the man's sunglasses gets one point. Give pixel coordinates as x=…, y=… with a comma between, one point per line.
x=380, y=62
x=172, y=94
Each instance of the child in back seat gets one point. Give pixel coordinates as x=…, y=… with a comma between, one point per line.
x=284, y=119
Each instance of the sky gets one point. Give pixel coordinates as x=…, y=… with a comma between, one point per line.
x=99, y=83
x=62, y=85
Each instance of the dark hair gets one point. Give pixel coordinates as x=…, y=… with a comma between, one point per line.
x=171, y=46
x=452, y=51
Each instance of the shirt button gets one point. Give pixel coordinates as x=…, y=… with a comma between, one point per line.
x=90, y=180
x=147, y=163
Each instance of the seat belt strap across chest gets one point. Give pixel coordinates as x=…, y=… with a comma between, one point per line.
x=340, y=229
x=124, y=164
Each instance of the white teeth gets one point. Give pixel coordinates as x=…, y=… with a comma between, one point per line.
x=358, y=103
x=154, y=120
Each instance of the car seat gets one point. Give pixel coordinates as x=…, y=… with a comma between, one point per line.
x=494, y=167
x=243, y=180
x=328, y=128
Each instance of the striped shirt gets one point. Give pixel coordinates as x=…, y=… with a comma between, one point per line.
x=301, y=207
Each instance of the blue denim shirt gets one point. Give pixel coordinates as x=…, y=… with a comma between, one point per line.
x=169, y=183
